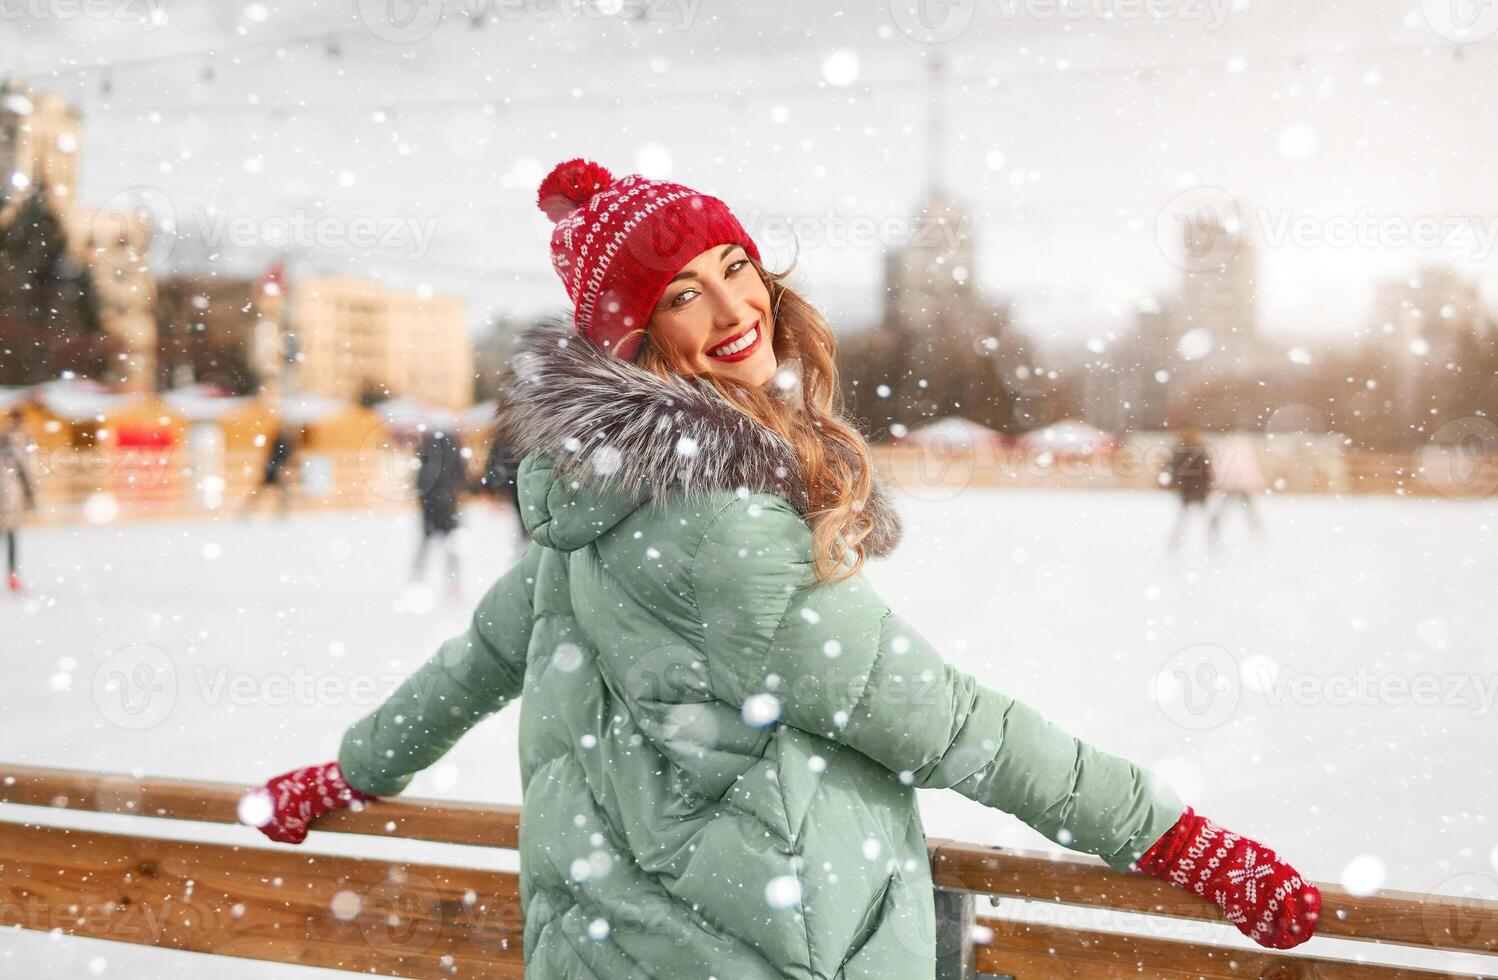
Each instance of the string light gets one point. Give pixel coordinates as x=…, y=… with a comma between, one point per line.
x=739, y=98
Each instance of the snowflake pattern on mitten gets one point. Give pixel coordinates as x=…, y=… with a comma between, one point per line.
x=1264, y=897
x=301, y=796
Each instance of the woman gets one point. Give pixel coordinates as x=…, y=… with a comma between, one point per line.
x=722, y=725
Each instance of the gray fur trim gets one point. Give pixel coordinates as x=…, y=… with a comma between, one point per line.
x=609, y=423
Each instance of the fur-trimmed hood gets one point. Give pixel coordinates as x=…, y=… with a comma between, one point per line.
x=613, y=426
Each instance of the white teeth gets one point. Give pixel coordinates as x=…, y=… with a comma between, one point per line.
x=735, y=347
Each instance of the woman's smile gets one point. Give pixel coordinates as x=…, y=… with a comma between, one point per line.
x=739, y=346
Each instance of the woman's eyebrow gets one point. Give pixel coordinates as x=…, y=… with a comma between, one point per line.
x=692, y=275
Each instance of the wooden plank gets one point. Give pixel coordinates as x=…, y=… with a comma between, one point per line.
x=444, y=821
x=399, y=919
x=1404, y=918
x=1035, y=951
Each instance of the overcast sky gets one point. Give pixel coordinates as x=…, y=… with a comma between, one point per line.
x=1324, y=120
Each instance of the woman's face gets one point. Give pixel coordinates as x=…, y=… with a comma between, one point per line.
x=718, y=301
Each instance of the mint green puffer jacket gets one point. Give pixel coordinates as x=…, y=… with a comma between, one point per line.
x=719, y=754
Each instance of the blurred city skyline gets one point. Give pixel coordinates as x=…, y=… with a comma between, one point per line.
x=1350, y=138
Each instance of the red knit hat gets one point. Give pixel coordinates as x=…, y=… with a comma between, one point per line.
x=618, y=243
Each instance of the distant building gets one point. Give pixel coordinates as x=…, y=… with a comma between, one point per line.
x=352, y=336
x=39, y=151
x=1130, y=383
x=939, y=348
x=1428, y=314
x=1215, y=321
x=207, y=329
x=1425, y=325
x=1187, y=348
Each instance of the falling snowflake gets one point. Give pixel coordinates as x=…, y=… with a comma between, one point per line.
x=761, y=710
x=783, y=892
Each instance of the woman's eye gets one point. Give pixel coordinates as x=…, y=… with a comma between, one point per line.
x=733, y=268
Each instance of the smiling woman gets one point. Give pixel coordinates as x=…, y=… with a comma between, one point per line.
x=723, y=725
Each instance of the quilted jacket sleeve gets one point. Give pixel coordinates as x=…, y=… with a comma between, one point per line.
x=835, y=661
x=471, y=676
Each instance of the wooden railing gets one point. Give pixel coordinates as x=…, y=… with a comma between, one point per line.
x=411, y=919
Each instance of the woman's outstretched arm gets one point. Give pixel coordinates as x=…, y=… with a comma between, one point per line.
x=852, y=670
x=471, y=676
x=838, y=662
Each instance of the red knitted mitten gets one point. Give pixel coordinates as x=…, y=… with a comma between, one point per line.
x=1263, y=896
x=285, y=806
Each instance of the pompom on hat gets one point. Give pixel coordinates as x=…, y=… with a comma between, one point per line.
x=618, y=243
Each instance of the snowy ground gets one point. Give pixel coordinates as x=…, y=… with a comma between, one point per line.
x=1367, y=758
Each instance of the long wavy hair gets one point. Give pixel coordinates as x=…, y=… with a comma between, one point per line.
x=838, y=484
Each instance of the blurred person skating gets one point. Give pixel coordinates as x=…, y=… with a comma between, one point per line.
x=277, y=473
x=1238, y=479
x=16, y=492
x=1190, y=476
x=439, y=484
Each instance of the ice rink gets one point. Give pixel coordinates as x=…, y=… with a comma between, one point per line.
x=1329, y=689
